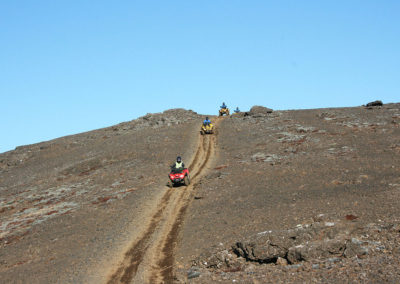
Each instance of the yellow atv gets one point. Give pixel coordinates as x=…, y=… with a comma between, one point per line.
x=223, y=111
x=207, y=129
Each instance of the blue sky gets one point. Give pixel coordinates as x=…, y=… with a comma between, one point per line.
x=72, y=66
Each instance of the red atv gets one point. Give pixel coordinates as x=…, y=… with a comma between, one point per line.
x=178, y=176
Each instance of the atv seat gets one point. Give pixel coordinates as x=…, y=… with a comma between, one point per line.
x=176, y=171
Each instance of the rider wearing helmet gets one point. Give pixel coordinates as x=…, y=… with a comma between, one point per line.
x=237, y=110
x=206, y=121
x=179, y=165
x=223, y=105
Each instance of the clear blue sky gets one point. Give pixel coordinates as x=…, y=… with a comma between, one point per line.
x=71, y=66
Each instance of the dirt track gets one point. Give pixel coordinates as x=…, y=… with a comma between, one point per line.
x=81, y=209
x=71, y=207
x=150, y=257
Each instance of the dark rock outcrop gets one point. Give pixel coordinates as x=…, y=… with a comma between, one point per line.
x=259, y=110
x=374, y=103
x=320, y=240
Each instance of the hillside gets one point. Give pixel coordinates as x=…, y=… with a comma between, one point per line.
x=287, y=196
x=279, y=179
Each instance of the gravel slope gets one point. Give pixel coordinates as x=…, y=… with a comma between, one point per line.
x=279, y=171
x=291, y=196
x=70, y=206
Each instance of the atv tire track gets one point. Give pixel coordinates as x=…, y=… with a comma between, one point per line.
x=134, y=255
x=150, y=258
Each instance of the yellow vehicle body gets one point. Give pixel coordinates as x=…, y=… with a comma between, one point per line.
x=223, y=111
x=207, y=129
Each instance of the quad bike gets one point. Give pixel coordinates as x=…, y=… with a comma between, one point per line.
x=207, y=129
x=223, y=111
x=178, y=177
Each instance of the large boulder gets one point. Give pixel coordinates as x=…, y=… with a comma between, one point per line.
x=374, y=103
x=318, y=240
x=260, y=110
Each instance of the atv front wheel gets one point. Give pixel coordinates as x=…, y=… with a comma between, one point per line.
x=186, y=180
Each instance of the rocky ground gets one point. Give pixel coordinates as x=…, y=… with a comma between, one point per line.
x=293, y=196
x=67, y=205
x=255, y=219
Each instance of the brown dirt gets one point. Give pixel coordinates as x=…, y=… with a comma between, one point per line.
x=157, y=244
x=58, y=225
x=94, y=207
x=278, y=171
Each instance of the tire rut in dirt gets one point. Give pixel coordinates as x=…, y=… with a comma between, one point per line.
x=196, y=158
x=166, y=228
x=164, y=268
x=135, y=254
x=207, y=158
x=165, y=265
x=208, y=150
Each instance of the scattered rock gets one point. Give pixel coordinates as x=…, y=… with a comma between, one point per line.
x=287, y=137
x=262, y=157
x=192, y=274
x=259, y=111
x=351, y=217
x=355, y=248
x=319, y=218
x=215, y=174
x=265, y=249
x=318, y=241
x=158, y=120
x=374, y=103
x=305, y=129
x=281, y=261
x=292, y=150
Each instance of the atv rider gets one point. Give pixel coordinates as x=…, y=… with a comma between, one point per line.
x=178, y=166
x=223, y=105
x=237, y=110
x=206, y=121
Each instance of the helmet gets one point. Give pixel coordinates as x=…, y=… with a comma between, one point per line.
x=206, y=117
x=179, y=159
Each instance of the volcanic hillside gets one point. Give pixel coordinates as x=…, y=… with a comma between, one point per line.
x=275, y=196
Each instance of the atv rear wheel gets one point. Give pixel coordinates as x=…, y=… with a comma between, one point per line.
x=186, y=180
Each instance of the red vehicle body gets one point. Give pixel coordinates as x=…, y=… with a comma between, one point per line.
x=177, y=177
